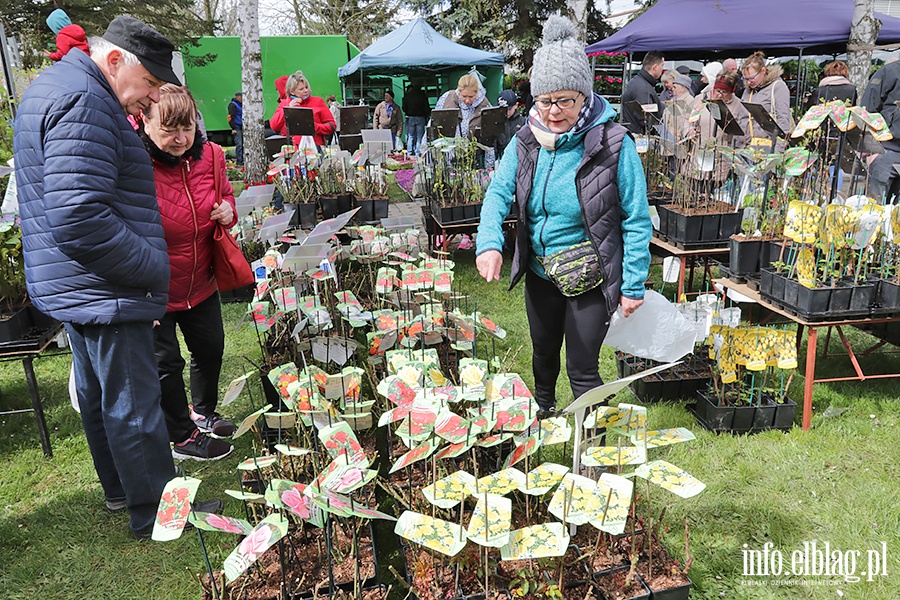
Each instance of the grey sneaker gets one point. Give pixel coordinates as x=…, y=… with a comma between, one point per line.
x=214, y=424
x=201, y=447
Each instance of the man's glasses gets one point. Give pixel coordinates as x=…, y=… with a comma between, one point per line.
x=562, y=103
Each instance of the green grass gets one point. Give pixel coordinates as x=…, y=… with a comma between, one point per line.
x=836, y=482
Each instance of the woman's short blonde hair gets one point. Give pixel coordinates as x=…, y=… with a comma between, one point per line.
x=669, y=76
x=467, y=82
x=294, y=80
x=757, y=60
x=176, y=107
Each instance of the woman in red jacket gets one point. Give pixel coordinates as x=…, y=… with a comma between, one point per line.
x=190, y=207
x=299, y=94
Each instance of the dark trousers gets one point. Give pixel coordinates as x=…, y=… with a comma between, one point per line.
x=204, y=335
x=582, y=321
x=118, y=394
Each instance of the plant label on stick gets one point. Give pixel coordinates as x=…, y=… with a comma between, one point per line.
x=174, y=506
x=451, y=490
x=268, y=532
x=234, y=389
x=613, y=456
x=662, y=437
x=436, y=534
x=672, y=478
x=491, y=520
x=501, y=482
x=576, y=500
x=214, y=522
x=248, y=422
x=616, y=492
x=544, y=540
x=542, y=479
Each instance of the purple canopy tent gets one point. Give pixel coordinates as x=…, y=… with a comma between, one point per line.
x=707, y=28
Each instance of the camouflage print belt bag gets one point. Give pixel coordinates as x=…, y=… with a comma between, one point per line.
x=574, y=270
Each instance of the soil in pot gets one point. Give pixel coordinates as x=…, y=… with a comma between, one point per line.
x=663, y=575
x=306, y=566
x=622, y=584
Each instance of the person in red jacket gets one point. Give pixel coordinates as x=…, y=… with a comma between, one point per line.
x=300, y=94
x=68, y=36
x=190, y=206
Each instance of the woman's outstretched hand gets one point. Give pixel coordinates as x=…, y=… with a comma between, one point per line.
x=489, y=264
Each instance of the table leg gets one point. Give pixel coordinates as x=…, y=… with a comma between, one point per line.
x=810, y=376
x=36, y=406
x=681, y=266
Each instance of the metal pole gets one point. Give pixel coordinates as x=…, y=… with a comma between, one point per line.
x=8, y=78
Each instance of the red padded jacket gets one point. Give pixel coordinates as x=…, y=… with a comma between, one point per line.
x=322, y=117
x=186, y=194
x=70, y=36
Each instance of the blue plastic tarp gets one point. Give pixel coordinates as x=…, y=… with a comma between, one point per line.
x=417, y=45
x=702, y=27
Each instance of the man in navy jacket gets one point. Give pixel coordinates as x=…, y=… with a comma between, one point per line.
x=95, y=255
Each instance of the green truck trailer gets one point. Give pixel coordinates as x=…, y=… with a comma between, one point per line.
x=214, y=83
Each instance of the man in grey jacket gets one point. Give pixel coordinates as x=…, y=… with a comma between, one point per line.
x=95, y=254
x=880, y=95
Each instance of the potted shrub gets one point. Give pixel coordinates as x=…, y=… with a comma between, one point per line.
x=15, y=318
x=370, y=189
x=297, y=186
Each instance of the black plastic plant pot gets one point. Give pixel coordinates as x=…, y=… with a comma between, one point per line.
x=784, y=414
x=743, y=255
x=887, y=296
x=663, y=213
x=472, y=211
x=40, y=321
x=604, y=580
x=671, y=223
x=813, y=301
x=329, y=206
x=366, y=212
x=767, y=286
x=680, y=592
x=730, y=224
x=693, y=383
x=344, y=202
x=709, y=227
x=688, y=228
x=742, y=421
x=444, y=215
x=791, y=291
x=380, y=208
x=771, y=251
x=15, y=326
x=764, y=417
x=458, y=213
x=840, y=298
x=862, y=298
x=304, y=216
x=716, y=418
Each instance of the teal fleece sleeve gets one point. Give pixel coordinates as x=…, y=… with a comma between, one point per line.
x=636, y=226
x=500, y=195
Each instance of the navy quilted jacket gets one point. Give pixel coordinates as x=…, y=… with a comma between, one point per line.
x=94, y=247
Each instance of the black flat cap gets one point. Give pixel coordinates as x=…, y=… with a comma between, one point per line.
x=151, y=47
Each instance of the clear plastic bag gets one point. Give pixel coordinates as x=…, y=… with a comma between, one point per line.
x=656, y=331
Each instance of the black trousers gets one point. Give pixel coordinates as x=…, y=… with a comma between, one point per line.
x=204, y=335
x=582, y=321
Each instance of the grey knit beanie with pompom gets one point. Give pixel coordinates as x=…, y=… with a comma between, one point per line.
x=560, y=63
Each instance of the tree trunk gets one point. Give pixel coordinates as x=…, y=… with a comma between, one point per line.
x=863, y=33
x=251, y=84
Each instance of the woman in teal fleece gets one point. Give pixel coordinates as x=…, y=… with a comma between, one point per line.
x=576, y=176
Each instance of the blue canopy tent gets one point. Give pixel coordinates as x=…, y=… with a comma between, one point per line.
x=417, y=49
x=707, y=28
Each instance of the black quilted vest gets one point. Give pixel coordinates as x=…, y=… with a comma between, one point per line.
x=598, y=194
